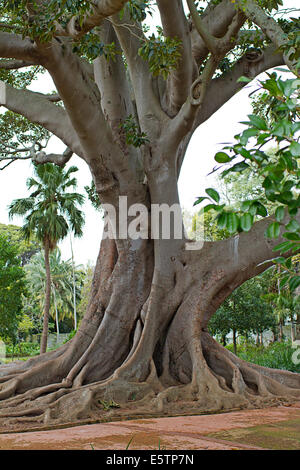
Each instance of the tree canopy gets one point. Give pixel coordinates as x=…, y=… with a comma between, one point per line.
x=26, y=249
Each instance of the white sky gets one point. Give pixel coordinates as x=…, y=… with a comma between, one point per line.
x=199, y=161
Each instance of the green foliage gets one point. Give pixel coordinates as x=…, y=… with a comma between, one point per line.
x=132, y=133
x=61, y=288
x=12, y=287
x=26, y=325
x=22, y=349
x=285, y=303
x=138, y=9
x=93, y=196
x=18, y=136
x=91, y=47
x=244, y=310
x=41, y=20
x=161, y=53
x=70, y=336
x=276, y=356
x=20, y=79
x=25, y=249
x=278, y=171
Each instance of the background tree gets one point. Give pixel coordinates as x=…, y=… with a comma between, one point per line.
x=51, y=212
x=244, y=312
x=130, y=101
x=61, y=305
x=25, y=248
x=12, y=287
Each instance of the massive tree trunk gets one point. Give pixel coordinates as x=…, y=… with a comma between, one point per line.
x=143, y=343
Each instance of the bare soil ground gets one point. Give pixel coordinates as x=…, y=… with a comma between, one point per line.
x=276, y=428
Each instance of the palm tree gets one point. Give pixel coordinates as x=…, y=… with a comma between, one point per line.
x=62, y=288
x=50, y=213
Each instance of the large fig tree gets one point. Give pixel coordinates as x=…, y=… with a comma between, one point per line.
x=128, y=102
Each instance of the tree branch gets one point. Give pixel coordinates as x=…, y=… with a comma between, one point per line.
x=58, y=159
x=14, y=64
x=242, y=257
x=116, y=94
x=216, y=21
x=39, y=157
x=175, y=24
x=130, y=37
x=201, y=105
x=100, y=10
x=83, y=103
x=223, y=88
x=268, y=25
x=14, y=46
x=38, y=109
x=219, y=47
x=208, y=38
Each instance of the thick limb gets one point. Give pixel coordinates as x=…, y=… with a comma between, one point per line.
x=40, y=110
x=175, y=24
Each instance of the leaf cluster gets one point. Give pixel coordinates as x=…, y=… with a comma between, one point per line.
x=279, y=171
x=162, y=53
x=91, y=47
x=133, y=135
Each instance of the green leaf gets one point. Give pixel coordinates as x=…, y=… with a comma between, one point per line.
x=239, y=167
x=246, y=222
x=199, y=200
x=222, y=220
x=213, y=194
x=291, y=236
x=232, y=222
x=244, y=79
x=246, y=206
x=293, y=226
x=279, y=213
x=279, y=260
x=295, y=149
x=261, y=210
x=210, y=207
x=258, y=208
x=284, y=281
x=222, y=157
x=283, y=247
x=294, y=282
x=245, y=136
x=258, y=122
x=273, y=231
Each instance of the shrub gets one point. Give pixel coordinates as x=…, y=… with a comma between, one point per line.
x=276, y=355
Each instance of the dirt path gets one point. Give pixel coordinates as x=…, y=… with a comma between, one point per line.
x=270, y=428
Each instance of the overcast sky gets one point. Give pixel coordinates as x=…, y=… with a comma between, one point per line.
x=199, y=161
